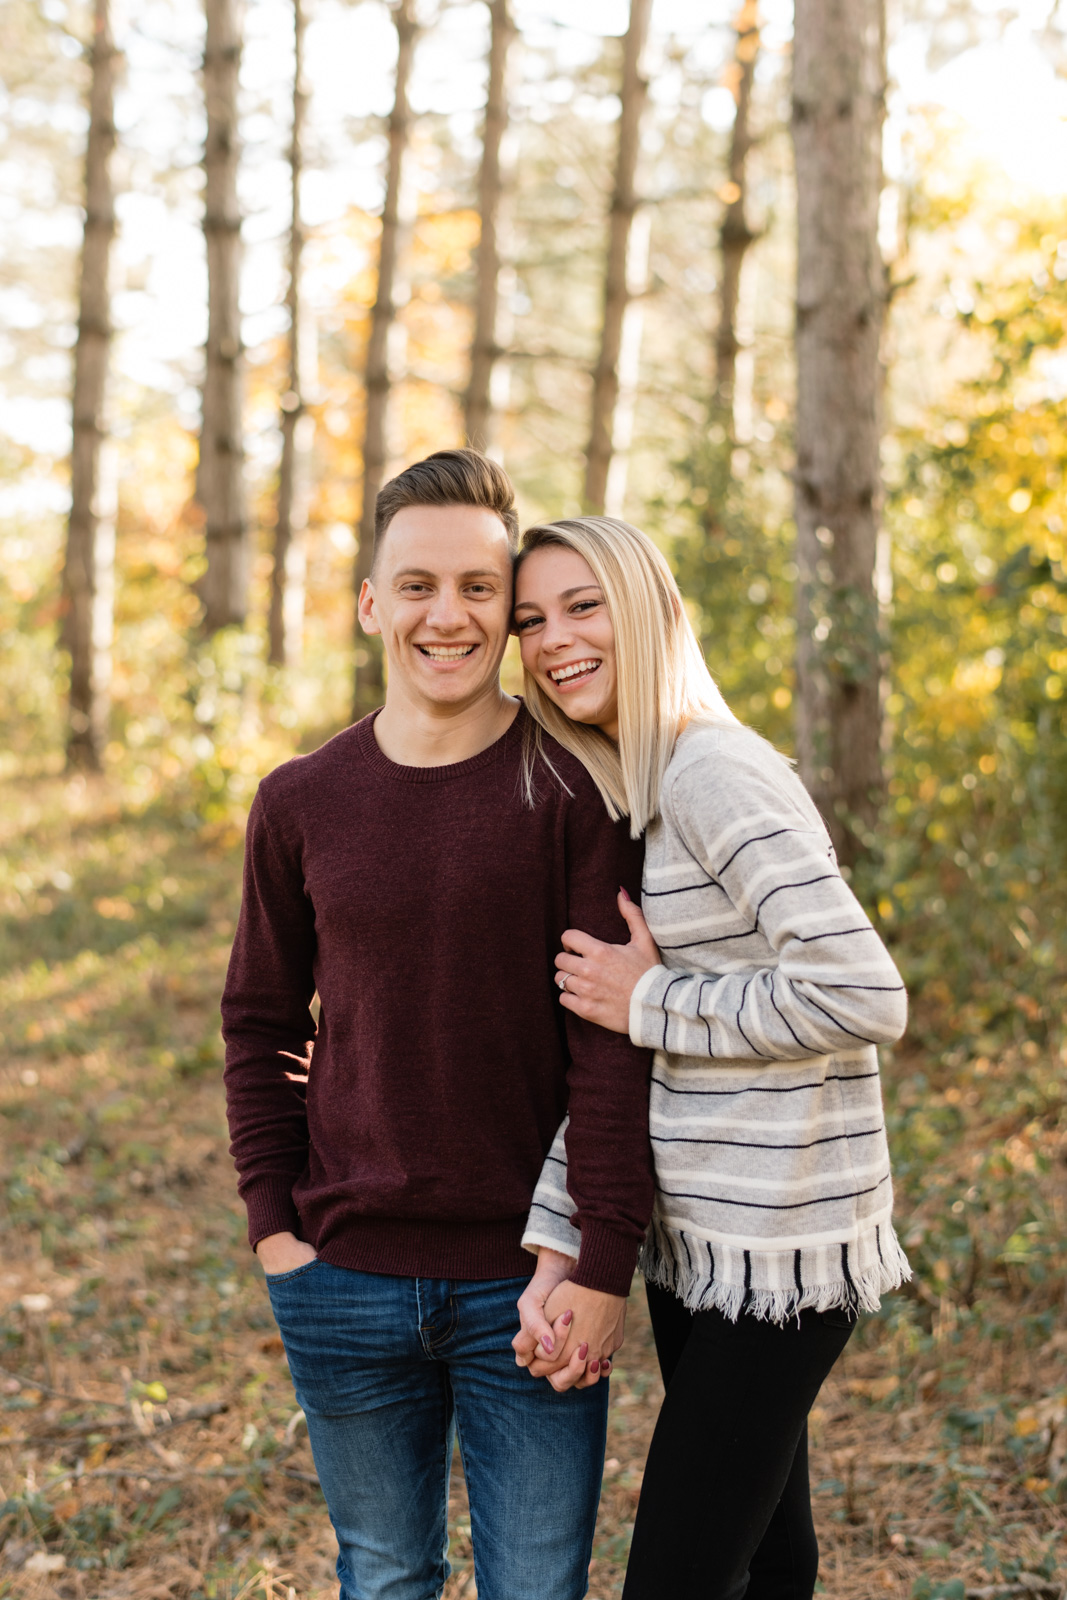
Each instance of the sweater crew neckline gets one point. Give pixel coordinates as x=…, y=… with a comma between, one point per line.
x=380, y=763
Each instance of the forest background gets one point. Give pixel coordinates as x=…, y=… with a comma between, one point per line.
x=128, y=1304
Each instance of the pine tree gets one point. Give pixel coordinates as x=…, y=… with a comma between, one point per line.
x=90, y=555
x=838, y=110
x=220, y=476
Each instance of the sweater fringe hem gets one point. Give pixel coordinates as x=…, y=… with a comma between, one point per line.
x=859, y=1292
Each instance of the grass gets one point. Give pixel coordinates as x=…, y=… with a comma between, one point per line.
x=149, y=1440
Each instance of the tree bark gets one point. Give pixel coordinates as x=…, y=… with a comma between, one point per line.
x=634, y=93
x=286, y=617
x=485, y=349
x=220, y=477
x=735, y=235
x=838, y=110
x=369, y=681
x=90, y=555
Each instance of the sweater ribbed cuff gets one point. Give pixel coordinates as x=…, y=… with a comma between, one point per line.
x=269, y=1203
x=606, y=1260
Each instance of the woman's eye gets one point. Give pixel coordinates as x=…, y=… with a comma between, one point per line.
x=527, y=622
x=585, y=605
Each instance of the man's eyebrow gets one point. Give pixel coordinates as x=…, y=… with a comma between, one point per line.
x=424, y=572
x=565, y=594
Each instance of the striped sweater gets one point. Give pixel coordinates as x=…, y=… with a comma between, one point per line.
x=773, y=1189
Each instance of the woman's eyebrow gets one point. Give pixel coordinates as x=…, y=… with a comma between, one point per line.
x=531, y=605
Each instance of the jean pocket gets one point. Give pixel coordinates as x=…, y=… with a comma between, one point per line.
x=276, y=1278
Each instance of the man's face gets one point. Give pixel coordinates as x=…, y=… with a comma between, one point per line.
x=440, y=596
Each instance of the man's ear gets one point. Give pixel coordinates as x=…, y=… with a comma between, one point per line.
x=368, y=621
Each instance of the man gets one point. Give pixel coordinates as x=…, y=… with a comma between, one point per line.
x=403, y=873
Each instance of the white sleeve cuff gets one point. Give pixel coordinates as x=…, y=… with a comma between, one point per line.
x=533, y=1241
x=641, y=988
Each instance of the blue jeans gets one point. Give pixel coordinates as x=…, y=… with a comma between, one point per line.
x=386, y=1370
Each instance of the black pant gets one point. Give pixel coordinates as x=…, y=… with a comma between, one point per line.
x=725, y=1507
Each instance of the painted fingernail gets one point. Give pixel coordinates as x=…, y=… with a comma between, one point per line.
x=583, y=1351
x=605, y=1367
x=567, y=1318
x=594, y=1366
x=625, y=896
x=547, y=1343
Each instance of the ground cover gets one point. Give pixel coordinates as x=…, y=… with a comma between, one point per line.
x=150, y=1445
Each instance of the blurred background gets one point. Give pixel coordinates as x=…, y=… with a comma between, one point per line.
x=276, y=250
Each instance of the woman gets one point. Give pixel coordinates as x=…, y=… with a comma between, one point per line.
x=764, y=990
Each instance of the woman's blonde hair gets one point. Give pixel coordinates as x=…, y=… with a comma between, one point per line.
x=662, y=677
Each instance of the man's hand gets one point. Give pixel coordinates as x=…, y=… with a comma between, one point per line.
x=602, y=977
x=553, y=1268
x=283, y=1252
x=596, y=1331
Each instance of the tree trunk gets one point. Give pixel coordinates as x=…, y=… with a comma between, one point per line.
x=629, y=365
x=838, y=109
x=370, y=680
x=220, y=477
x=285, y=622
x=90, y=556
x=634, y=93
x=485, y=349
x=735, y=235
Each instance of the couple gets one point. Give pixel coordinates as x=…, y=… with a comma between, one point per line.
x=457, y=878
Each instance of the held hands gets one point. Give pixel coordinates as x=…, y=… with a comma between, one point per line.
x=600, y=978
x=283, y=1252
x=568, y=1333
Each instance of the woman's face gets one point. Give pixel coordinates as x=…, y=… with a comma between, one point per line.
x=566, y=637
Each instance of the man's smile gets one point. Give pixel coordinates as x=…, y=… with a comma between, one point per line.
x=447, y=652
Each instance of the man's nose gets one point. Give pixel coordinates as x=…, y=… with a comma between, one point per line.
x=447, y=610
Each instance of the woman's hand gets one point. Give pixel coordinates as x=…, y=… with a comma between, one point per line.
x=553, y=1268
x=602, y=977
x=596, y=1331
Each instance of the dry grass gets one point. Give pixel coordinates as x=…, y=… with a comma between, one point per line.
x=149, y=1441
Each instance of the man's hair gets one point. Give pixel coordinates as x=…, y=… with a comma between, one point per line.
x=449, y=478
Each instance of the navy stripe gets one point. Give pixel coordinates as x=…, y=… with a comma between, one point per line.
x=688, y=888
x=831, y=1077
x=539, y=1205
x=841, y=933
x=663, y=1004
x=759, y=1205
x=874, y=988
x=707, y=1020
x=797, y=1279
x=693, y=944
x=756, y=839
x=853, y=1297
x=825, y=877
x=748, y=1271
x=801, y=1042
x=862, y=1037
x=744, y=995
x=743, y=1144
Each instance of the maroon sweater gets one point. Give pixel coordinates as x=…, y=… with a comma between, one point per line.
x=425, y=906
